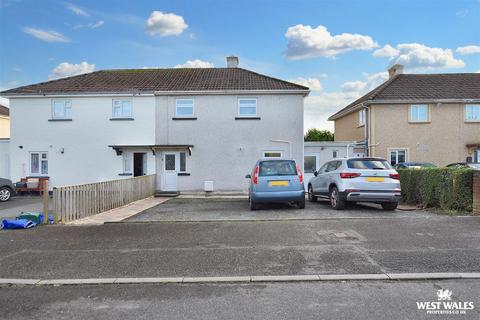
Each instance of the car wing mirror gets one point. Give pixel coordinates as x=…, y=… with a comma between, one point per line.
x=315, y=173
x=248, y=176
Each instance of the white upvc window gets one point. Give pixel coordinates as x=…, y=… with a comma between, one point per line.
x=61, y=109
x=38, y=163
x=247, y=107
x=122, y=109
x=272, y=154
x=419, y=113
x=362, y=115
x=335, y=154
x=127, y=162
x=396, y=156
x=472, y=112
x=183, y=162
x=184, y=108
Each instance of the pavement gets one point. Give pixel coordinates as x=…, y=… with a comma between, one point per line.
x=224, y=209
x=19, y=204
x=300, y=300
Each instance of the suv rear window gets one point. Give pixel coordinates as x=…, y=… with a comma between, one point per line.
x=376, y=164
x=277, y=168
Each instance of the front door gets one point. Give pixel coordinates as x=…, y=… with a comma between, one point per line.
x=169, y=171
x=139, y=164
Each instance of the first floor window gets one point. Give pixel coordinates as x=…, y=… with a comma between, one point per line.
x=184, y=107
x=472, y=112
x=419, y=113
x=247, y=107
x=309, y=164
x=183, y=162
x=397, y=156
x=62, y=109
x=362, y=114
x=272, y=154
x=39, y=163
x=122, y=109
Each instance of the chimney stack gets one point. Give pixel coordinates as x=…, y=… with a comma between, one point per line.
x=232, y=62
x=394, y=70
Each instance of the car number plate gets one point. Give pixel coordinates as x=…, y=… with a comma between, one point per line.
x=278, y=183
x=375, y=179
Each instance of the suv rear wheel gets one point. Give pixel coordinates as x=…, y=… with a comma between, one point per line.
x=311, y=197
x=5, y=194
x=389, y=206
x=335, y=201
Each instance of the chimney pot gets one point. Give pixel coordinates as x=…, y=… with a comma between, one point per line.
x=394, y=70
x=232, y=62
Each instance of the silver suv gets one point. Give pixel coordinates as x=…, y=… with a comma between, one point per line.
x=356, y=179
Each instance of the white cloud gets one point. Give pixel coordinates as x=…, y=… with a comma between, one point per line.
x=46, y=35
x=306, y=42
x=416, y=56
x=90, y=25
x=472, y=49
x=353, y=86
x=195, y=64
x=462, y=13
x=66, y=69
x=78, y=11
x=313, y=83
x=165, y=24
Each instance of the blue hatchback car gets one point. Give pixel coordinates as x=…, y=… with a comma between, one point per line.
x=276, y=181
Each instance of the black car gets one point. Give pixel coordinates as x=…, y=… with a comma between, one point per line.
x=457, y=165
x=7, y=189
x=414, y=165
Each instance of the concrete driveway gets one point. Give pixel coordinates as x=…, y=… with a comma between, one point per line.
x=15, y=206
x=225, y=209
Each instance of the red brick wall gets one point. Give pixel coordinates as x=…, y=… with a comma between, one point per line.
x=476, y=192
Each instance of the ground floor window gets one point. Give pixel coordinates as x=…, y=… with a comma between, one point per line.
x=38, y=163
x=309, y=164
x=476, y=156
x=127, y=162
x=397, y=156
x=183, y=162
x=272, y=154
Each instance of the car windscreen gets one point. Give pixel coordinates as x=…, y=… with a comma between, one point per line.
x=277, y=168
x=375, y=164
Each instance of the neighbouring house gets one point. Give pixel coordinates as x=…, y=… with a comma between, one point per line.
x=416, y=117
x=4, y=122
x=194, y=128
x=318, y=152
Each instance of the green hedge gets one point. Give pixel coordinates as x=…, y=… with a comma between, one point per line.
x=444, y=188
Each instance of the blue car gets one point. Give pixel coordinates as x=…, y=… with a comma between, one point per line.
x=274, y=181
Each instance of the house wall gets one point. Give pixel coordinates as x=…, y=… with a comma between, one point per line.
x=87, y=157
x=347, y=129
x=4, y=127
x=5, y=158
x=225, y=149
x=441, y=141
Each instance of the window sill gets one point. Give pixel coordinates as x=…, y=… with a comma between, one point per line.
x=122, y=119
x=360, y=126
x=180, y=174
x=247, y=118
x=418, y=122
x=54, y=120
x=184, y=118
x=125, y=174
x=472, y=121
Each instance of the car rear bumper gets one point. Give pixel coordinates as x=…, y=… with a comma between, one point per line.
x=372, y=195
x=278, y=196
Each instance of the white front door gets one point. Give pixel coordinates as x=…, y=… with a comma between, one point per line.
x=311, y=163
x=170, y=171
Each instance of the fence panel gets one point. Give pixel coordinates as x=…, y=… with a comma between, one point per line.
x=80, y=201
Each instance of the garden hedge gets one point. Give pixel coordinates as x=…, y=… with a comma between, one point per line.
x=445, y=188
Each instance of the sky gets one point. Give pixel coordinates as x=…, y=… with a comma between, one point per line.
x=340, y=49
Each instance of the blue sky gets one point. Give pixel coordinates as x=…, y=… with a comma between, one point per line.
x=341, y=49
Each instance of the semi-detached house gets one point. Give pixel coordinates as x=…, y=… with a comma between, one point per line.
x=190, y=127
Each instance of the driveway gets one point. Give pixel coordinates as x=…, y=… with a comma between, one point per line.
x=19, y=204
x=224, y=209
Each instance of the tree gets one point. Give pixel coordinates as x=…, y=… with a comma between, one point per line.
x=315, y=134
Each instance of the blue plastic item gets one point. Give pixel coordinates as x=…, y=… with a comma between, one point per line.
x=18, y=224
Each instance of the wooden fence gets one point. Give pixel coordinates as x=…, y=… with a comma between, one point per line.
x=80, y=201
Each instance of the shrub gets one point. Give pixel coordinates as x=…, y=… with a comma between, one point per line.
x=444, y=188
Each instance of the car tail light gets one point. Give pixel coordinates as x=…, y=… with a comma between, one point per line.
x=300, y=174
x=395, y=176
x=349, y=175
x=255, y=175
